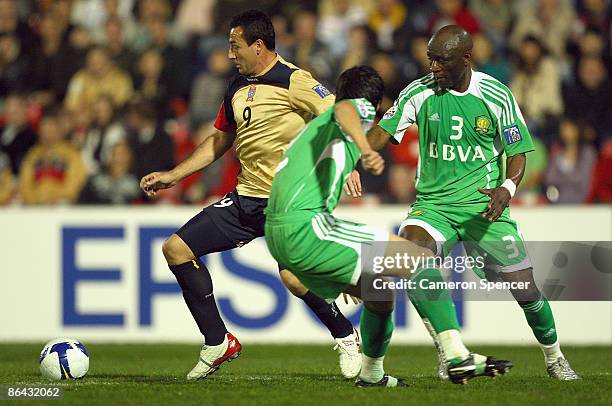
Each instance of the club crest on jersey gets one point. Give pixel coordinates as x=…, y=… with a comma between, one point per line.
x=321, y=90
x=251, y=93
x=482, y=125
x=512, y=134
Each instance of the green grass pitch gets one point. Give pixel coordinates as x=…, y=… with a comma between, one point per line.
x=306, y=374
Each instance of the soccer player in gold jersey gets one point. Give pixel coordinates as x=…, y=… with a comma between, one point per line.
x=266, y=105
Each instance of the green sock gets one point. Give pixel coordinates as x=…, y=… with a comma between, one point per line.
x=436, y=305
x=541, y=320
x=376, y=330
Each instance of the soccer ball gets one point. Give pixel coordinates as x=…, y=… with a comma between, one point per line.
x=63, y=358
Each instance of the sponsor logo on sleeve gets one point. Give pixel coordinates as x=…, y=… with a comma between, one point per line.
x=512, y=134
x=390, y=113
x=321, y=90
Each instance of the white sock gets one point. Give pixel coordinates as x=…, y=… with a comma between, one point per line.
x=551, y=352
x=372, y=369
x=453, y=345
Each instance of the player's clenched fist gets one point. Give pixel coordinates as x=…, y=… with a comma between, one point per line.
x=155, y=181
x=372, y=162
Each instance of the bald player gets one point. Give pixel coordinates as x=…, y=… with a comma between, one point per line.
x=467, y=122
x=265, y=107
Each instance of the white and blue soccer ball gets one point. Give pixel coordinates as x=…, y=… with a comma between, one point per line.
x=63, y=358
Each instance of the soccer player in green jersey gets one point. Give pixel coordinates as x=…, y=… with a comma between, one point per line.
x=467, y=121
x=329, y=255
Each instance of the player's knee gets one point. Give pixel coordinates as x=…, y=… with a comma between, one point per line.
x=380, y=307
x=419, y=237
x=176, y=251
x=292, y=283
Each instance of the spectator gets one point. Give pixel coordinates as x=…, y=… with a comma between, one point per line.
x=308, y=52
x=175, y=59
x=100, y=76
x=217, y=180
x=284, y=40
x=597, y=14
x=453, y=12
x=401, y=188
x=196, y=17
x=385, y=21
x=360, y=43
x=149, y=142
x=593, y=88
x=52, y=172
x=117, y=184
x=103, y=134
x=15, y=66
x=336, y=19
x=6, y=180
x=16, y=137
x=495, y=17
x=151, y=85
x=385, y=66
x=591, y=43
x=570, y=166
x=550, y=21
x=537, y=84
x=146, y=12
x=11, y=25
x=530, y=191
x=114, y=40
x=417, y=64
x=601, y=185
x=209, y=87
x=94, y=14
x=62, y=13
x=485, y=60
x=55, y=61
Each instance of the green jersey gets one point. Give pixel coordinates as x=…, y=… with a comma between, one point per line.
x=315, y=167
x=462, y=136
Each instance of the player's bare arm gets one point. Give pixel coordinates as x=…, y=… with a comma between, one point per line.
x=378, y=137
x=500, y=196
x=211, y=149
x=348, y=119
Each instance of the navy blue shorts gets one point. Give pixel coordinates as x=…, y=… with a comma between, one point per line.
x=229, y=223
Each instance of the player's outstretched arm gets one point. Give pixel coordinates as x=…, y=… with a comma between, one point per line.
x=349, y=121
x=500, y=196
x=213, y=147
x=378, y=137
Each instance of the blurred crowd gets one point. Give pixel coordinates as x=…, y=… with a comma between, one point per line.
x=94, y=94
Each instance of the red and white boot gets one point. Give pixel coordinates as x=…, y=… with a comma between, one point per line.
x=212, y=356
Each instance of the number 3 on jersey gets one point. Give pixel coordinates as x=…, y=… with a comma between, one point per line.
x=458, y=128
x=246, y=115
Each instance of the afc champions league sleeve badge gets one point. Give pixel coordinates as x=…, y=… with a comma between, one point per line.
x=251, y=93
x=390, y=113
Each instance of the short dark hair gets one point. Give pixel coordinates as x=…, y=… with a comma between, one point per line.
x=360, y=82
x=256, y=25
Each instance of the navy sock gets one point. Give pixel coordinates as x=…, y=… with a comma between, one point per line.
x=329, y=314
x=194, y=279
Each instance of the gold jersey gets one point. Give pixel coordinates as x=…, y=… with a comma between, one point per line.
x=266, y=112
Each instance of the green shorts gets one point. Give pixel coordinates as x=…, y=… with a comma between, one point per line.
x=323, y=252
x=500, y=244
